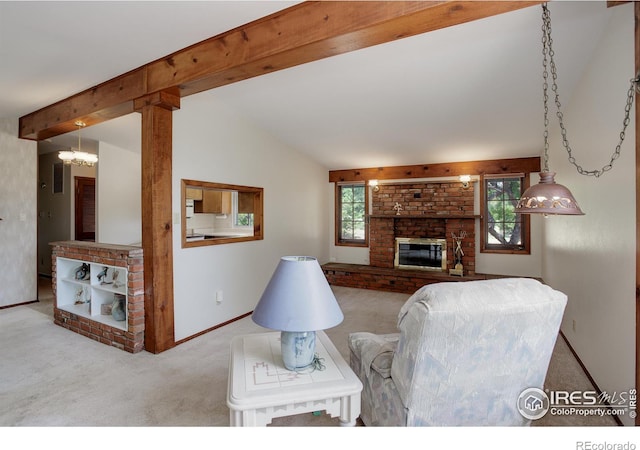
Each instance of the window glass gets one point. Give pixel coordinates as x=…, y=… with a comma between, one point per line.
x=352, y=214
x=504, y=229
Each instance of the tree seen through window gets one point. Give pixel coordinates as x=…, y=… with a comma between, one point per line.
x=352, y=209
x=503, y=225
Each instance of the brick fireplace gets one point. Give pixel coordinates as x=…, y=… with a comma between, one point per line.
x=428, y=210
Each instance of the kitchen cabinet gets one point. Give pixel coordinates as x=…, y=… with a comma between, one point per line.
x=245, y=202
x=193, y=193
x=214, y=202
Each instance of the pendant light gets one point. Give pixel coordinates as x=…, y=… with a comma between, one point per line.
x=79, y=158
x=547, y=197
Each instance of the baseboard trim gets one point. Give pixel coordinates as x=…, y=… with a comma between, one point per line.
x=588, y=375
x=182, y=341
x=19, y=304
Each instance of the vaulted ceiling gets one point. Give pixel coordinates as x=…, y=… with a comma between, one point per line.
x=467, y=92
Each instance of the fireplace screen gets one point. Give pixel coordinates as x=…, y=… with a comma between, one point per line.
x=423, y=254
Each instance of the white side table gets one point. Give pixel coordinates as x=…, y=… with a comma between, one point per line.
x=260, y=388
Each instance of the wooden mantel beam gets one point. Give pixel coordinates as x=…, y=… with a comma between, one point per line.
x=305, y=32
x=493, y=167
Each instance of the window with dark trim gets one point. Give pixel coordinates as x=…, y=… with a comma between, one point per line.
x=503, y=230
x=351, y=214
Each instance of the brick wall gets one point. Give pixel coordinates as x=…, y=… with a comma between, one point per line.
x=429, y=210
x=130, y=340
x=442, y=198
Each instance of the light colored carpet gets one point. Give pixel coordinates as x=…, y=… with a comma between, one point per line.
x=53, y=377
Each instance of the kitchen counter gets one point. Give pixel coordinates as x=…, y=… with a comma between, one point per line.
x=207, y=233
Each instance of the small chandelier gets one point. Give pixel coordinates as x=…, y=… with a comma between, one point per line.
x=548, y=197
x=78, y=158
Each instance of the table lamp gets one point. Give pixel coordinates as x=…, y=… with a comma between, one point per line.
x=298, y=301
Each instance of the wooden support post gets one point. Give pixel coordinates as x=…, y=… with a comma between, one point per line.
x=157, y=235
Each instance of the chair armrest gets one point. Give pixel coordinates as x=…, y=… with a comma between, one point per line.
x=375, y=351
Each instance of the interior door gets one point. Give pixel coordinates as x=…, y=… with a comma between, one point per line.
x=85, y=205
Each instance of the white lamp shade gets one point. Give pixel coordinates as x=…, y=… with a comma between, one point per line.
x=298, y=298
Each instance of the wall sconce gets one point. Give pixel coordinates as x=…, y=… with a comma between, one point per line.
x=465, y=179
x=374, y=185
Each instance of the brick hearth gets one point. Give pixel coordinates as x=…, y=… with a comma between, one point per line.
x=391, y=280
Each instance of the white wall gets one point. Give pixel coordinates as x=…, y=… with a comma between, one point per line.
x=18, y=204
x=54, y=210
x=513, y=265
x=592, y=258
x=119, y=195
x=212, y=143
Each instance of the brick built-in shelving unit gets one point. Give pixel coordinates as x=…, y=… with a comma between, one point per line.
x=127, y=335
x=429, y=210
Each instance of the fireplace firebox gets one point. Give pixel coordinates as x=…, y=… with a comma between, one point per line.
x=421, y=254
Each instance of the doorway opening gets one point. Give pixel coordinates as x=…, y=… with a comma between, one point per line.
x=85, y=209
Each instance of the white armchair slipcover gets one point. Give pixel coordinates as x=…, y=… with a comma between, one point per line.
x=464, y=353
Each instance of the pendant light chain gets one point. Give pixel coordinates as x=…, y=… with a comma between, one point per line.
x=547, y=50
x=79, y=125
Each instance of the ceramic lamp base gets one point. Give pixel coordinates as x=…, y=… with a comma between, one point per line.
x=298, y=349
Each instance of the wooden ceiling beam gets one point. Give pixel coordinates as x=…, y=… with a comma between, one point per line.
x=488, y=167
x=305, y=32
x=103, y=102
x=611, y=4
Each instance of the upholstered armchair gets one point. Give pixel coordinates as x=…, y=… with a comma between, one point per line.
x=464, y=353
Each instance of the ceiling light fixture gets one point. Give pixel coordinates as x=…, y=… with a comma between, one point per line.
x=548, y=197
x=78, y=157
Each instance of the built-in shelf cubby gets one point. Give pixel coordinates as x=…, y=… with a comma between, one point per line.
x=94, y=291
x=99, y=292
